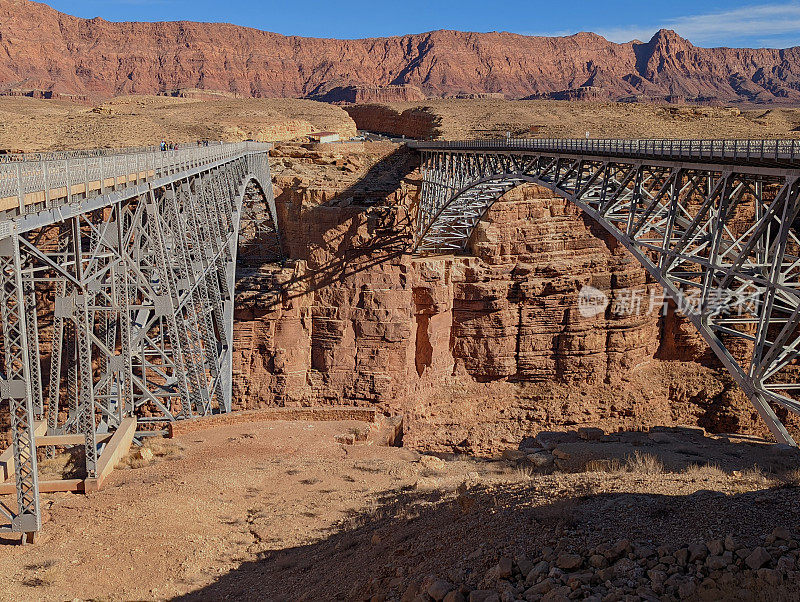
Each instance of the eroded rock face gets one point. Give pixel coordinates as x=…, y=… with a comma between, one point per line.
x=48, y=53
x=412, y=123
x=364, y=94
x=474, y=350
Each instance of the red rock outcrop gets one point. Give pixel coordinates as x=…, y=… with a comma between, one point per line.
x=367, y=94
x=45, y=50
x=411, y=123
x=477, y=350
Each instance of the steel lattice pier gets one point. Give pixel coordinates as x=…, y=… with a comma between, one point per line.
x=117, y=273
x=712, y=221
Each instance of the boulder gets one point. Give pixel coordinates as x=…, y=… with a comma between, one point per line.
x=568, y=561
x=758, y=558
x=439, y=588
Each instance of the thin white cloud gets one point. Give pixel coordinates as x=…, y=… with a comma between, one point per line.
x=763, y=23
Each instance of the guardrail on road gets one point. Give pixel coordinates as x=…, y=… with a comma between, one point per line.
x=29, y=183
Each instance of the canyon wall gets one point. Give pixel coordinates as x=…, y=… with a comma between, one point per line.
x=47, y=51
x=415, y=122
x=367, y=94
x=475, y=351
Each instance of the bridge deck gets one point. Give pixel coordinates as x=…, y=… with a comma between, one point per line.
x=31, y=183
x=779, y=153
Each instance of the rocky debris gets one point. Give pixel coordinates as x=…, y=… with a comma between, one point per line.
x=758, y=558
x=682, y=449
x=590, y=433
x=142, y=454
x=432, y=462
x=345, y=438
x=504, y=567
x=569, y=562
x=438, y=589
x=513, y=455
x=541, y=459
x=631, y=570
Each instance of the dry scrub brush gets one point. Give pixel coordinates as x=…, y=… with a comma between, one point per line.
x=638, y=463
x=153, y=448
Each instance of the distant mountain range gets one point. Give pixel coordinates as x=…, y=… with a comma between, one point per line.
x=47, y=53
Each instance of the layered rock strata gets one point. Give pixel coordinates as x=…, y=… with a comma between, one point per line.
x=476, y=350
x=45, y=51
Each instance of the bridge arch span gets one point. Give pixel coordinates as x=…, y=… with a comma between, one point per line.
x=712, y=234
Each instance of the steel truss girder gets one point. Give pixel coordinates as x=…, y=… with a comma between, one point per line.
x=704, y=232
x=129, y=295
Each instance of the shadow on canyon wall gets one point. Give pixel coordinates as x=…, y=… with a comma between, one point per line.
x=358, y=229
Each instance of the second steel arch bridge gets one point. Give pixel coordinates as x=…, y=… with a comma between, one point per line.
x=715, y=220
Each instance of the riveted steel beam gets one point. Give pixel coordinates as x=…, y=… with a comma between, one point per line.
x=122, y=279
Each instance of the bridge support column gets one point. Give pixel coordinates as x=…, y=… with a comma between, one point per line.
x=15, y=387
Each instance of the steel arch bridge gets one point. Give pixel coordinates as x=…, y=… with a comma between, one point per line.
x=715, y=223
x=117, y=275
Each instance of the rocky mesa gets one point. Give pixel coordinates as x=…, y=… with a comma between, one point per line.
x=48, y=53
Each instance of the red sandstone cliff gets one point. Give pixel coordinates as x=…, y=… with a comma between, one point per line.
x=45, y=50
x=473, y=350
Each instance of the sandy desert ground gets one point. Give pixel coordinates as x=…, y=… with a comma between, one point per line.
x=29, y=124
x=466, y=119
x=280, y=510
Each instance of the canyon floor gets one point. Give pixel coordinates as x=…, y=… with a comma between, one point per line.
x=281, y=511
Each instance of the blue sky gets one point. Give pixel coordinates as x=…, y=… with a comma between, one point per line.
x=714, y=23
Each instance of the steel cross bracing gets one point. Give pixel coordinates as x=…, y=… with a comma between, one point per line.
x=117, y=274
x=714, y=222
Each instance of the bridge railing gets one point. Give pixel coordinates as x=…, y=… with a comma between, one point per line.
x=53, y=178
x=754, y=150
x=75, y=154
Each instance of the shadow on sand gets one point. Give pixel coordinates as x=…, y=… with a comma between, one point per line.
x=460, y=534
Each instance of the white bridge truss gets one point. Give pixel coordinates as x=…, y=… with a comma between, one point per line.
x=712, y=221
x=117, y=275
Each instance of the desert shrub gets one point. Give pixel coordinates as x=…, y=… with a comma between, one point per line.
x=604, y=465
x=704, y=471
x=791, y=478
x=752, y=474
x=642, y=463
